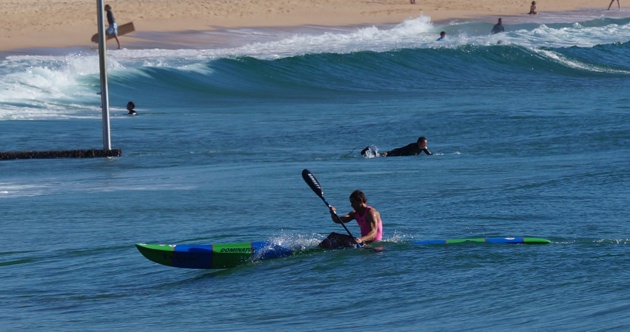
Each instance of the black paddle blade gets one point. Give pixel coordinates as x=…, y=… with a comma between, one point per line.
x=312, y=182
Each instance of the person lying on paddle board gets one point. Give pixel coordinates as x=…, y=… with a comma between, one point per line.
x=368, y=218
x=411, y=149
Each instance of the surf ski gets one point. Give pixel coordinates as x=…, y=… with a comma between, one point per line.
x=222, y=256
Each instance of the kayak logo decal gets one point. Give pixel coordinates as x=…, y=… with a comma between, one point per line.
x=235, y=250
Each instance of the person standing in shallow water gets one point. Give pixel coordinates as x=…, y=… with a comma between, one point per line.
x=498, y=27
x=131, y=107
x=368, y=218
x=112, y=29
x=611, y=2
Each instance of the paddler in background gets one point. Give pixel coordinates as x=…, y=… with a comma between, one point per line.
x=368, y=218
x=411, y=149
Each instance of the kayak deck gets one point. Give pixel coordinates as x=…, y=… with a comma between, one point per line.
x=509, y=240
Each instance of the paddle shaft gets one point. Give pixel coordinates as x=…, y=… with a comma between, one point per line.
x=312, y=182
x=338, y=218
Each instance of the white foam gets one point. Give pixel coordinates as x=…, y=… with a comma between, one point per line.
x=43, y=86
x=12, y=190
x=577, y=64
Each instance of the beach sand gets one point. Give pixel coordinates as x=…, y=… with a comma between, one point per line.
x=66, y=23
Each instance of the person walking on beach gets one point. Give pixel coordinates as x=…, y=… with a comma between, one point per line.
x=532, y=9
x=498, y=27
x=611, y=2
x=442, y=36
x=368, y=218
x=113, y=27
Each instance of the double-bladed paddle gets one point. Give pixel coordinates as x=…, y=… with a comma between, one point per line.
x=312, y=182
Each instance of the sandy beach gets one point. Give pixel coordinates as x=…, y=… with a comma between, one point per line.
x=64, y=23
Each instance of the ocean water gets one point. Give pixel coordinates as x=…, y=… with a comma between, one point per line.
x=529, y=130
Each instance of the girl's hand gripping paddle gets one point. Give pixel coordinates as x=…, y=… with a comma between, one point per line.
x=312, y=182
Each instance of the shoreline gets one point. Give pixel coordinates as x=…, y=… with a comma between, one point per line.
x=43, y=29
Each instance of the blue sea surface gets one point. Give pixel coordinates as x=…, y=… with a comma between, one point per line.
x=529, y=129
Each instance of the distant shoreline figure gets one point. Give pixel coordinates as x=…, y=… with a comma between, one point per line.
x=532, y=9
x=611, y=2
x=112, y=29
x=131, y=108
x=442, y=36
x=498, y=27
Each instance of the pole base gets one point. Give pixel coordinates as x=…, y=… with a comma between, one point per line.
x=93, y=153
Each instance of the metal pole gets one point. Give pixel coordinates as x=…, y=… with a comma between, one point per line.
x=102, y=48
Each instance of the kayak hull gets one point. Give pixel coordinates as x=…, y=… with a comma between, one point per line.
x=221, y=256
x=208, y=256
